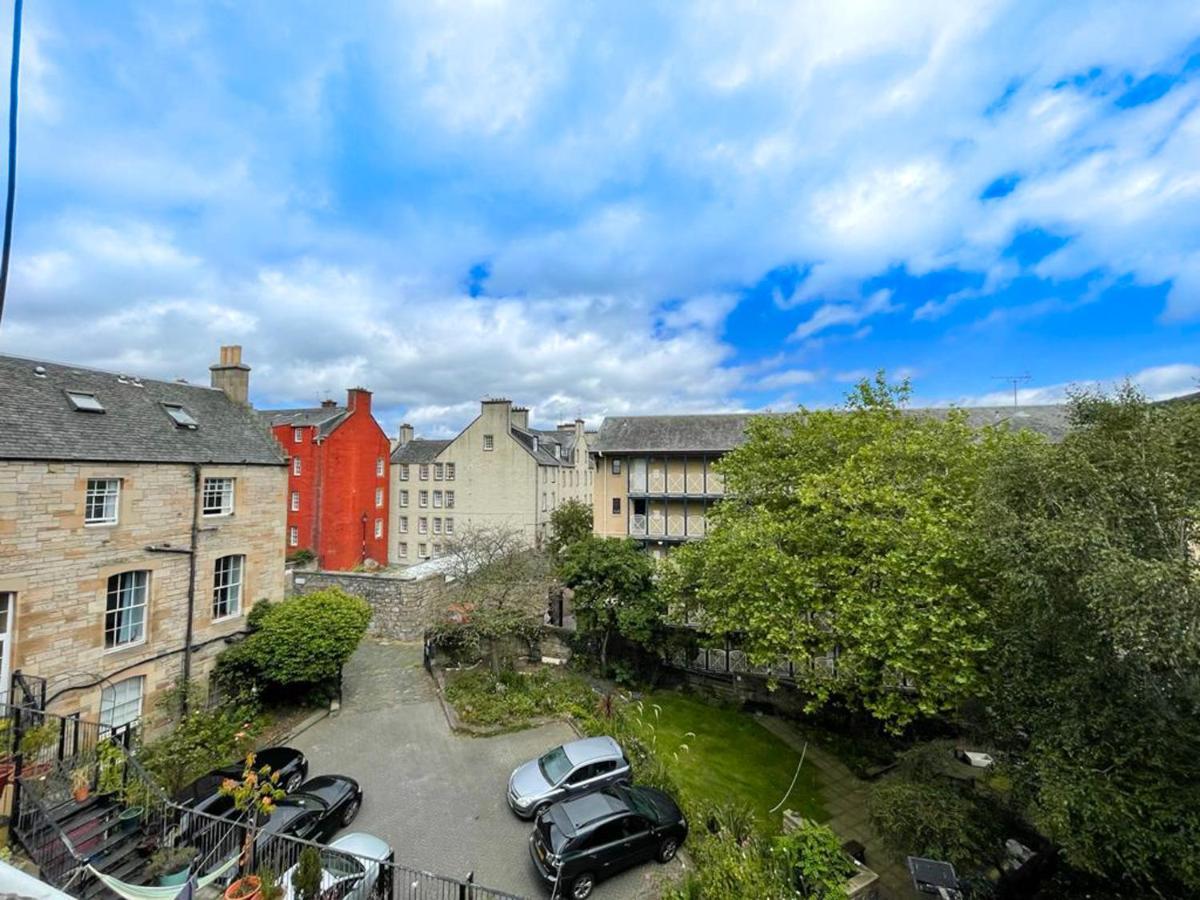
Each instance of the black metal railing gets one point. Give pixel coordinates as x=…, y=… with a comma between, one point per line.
x=44, y=841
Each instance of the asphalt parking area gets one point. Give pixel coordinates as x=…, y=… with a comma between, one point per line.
x=438, y=797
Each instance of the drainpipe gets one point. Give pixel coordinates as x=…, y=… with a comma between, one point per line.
x=191, y=595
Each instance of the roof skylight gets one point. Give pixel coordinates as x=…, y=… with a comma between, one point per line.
x=181, y=416
x=85, y=401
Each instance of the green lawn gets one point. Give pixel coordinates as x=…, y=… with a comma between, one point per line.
x=731, y=758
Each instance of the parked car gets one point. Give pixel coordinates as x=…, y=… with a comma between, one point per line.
x=348, y=877
x=567, y=771
x=320, y=808
x=204, y=794
x=581, y=841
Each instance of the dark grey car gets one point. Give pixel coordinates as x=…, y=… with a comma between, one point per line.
x=567, y=771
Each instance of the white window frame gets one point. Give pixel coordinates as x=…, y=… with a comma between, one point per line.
x=449, y=499
x=8, y=610
x=378, y=497
x=423, y=499
x=110, y=703
x=132, y=593
x=297, y=435
x=295, y=501
x=296, y=465
x=404, y=499
x=103, y=490
x=222, y=488
x=449, y=528
x=423, y=551
x=489, y=442
x=402, y=549
x=404, y=471
x=293, y=536
x=229, y=575
x=437, y=524
x=437, y=499
x=402, y=524
x=379, y=467
x=422, y=525
x=439, y=471
x=423, y=471
x=449, y=471
x=378, y=528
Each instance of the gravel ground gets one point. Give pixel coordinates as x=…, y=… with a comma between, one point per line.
x=438, y=797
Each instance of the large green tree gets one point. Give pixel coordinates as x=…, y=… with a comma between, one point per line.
x=1089, y=550
x=846, y=531
x=569, y=523
x=614, y=587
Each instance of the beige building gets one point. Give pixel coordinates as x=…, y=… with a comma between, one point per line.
x=498, y=471
x=139, y=522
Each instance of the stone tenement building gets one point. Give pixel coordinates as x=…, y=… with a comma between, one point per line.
x=337, y=502
x=655, y=475
x=139, y=522
x=498, y=471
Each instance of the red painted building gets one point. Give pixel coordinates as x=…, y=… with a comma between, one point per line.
x=337, y=501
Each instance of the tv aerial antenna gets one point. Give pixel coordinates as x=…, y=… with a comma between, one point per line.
x=1016, y=381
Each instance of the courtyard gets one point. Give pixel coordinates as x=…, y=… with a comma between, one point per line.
x=436, y=796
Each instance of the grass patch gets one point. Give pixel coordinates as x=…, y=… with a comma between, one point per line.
x=515, y=699
x=731, y=758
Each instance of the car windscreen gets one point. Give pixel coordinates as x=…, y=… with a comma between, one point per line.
x=555, y=766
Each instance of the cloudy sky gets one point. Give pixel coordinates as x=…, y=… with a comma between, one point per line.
x=612, y=207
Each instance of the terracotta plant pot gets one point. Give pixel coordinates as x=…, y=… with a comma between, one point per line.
x=80, y=794
x=248, y=888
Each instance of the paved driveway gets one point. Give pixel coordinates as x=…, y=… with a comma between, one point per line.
x=438, y=797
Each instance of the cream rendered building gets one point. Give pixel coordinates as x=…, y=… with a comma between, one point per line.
x=498, y=471
x=139, y=522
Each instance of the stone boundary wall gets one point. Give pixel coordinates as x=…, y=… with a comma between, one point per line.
x=400, y=607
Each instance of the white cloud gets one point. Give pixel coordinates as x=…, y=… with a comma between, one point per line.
x=830, y=315
x=1156, y=382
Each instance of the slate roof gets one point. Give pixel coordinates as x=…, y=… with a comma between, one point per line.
x=546, y=443
x=38, y=422
x=717, y=433
x=325, y=418
x=418, y=450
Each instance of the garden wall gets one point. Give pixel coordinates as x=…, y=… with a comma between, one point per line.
x=400, y=607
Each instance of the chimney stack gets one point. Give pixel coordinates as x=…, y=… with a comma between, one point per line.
x=358, y=398
x=328, y=404
x=406, y=434
x=520, y=417
x=231, y=375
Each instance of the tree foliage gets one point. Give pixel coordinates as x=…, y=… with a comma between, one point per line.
x=613, y=581
x=570, y=523
x=1090, y=553
x=304, y=640
x=846, y=531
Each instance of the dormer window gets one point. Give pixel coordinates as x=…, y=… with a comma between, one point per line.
x=180, y=416
x=85, y=401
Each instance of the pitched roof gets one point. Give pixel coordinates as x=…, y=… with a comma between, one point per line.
x=717, y=433
x=546, y=442
x=418, y=450
x=38, y=421
x=325, y=418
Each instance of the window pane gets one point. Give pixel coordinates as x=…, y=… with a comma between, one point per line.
x=121, y=703
x=227, y=586
x=217, y=497
x=125, y=614
x=101, y=501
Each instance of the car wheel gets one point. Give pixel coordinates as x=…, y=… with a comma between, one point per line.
x=293, y=782
x=581, y=887
x=350, y=813
x=666, y=850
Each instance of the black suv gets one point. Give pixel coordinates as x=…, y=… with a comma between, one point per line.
x=581, y=841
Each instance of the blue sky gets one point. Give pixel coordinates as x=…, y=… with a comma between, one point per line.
x=612, y=208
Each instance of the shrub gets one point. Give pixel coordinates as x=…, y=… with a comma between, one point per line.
x=201, y=740
x=303, y=641
x=813, y=856
x=932, y=818
x=512, y=699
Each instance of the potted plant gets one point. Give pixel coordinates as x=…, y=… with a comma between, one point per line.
x=110, y=761
x=255, y=796
x=171, y=865
x=34, y=743
x=307, y=880
x=81, y=783
x=135, y=798
x=269, y=886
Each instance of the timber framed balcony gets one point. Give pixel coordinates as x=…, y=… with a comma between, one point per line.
x=673, y=476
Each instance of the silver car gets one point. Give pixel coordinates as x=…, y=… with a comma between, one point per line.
x=579, y=767
x=350, y=868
